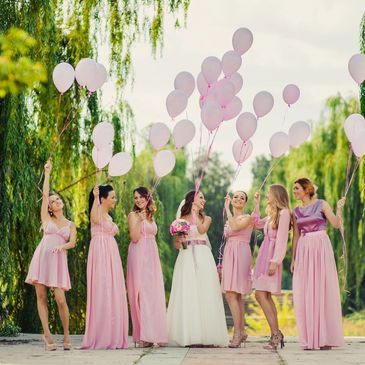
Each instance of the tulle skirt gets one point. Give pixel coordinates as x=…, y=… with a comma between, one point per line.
x=195, y=312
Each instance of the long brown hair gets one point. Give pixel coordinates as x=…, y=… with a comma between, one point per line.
x=151, y=207
x=189, y=200
x=281, y=201
x=307, y=186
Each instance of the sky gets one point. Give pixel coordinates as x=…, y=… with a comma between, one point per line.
x=307, y=43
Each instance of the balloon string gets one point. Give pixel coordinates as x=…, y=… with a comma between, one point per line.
x=197, y=186
x=222, y=244
x=269, y=172
x=348, y=167
x=344, y=255
x=284, y=118
x=353, y=175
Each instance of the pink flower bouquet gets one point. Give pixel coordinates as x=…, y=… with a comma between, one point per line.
x=180, y=227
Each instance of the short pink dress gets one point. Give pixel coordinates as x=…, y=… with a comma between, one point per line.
x=272, y=249
x=236, y=264
x=47, y=267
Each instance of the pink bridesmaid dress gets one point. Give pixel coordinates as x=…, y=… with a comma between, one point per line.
x=236, y=265
x=107, y=309
x=272, y=249
x=316, y=293
x=47, y=267
x=145, y=285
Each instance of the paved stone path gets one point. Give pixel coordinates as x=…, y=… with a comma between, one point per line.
x=28, y=349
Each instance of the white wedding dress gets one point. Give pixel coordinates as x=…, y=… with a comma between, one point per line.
x=195, y=312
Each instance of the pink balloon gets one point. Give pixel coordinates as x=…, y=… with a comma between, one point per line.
x=246, y=126
x=159, y=135
x=98, y=79
x=298, y=133
x=242, y=40
x=85, y=71
x=120, y=164
x=103, y=134
x=211, y=115
x=183, y=133
x=63, y=76
x=202, y=84
x=102, y=156
x=232, y=109
x=358, y=144
x=237, y=81
x=263, y=102
x=354, y=124
x=176, y=103
x=185, y=81
x=164, y=162
x=211, y=69
x=223, y=91
x=356, y=68
x=241, y=150
x=291, y=94
x=231, y=62
x=279, y=144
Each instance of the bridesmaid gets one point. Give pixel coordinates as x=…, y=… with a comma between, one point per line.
x=145, y=284
x=107, y=309
x=268, y=269
x=316, y=291
x=195, y=312
x=48, y=268
x=236, y=265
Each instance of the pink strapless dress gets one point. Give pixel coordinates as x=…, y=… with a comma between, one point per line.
x=107, y=309
x=47, y=267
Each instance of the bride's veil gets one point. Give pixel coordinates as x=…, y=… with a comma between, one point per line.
x=178, y=216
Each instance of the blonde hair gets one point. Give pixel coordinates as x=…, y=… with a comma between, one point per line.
x=281, y=201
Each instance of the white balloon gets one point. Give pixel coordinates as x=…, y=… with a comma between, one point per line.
x=211, y=115
x=176, y=102
x=85, y=71
x=63, y=76
x=279, y=144
x=98, y=79
x=241, y=150
x=211, y=69
x=356, y=68
x=185, y=81
x=102, y=156
x=242, y=40
x=246, y=126
x=120, y=164
x=202, y=84
x=164, y=162
x=237, y=81
x=354, y=124
x=183, y=133
x=263, y=102
x=231, y=62
x=232, y=109
x=358, y=144
x=159, y=135
x=103, y=134
x=299, y=132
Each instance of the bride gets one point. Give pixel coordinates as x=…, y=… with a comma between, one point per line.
x=195, y=312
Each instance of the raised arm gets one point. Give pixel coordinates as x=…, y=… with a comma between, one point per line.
x=203, y=225
x=95, y=214
x=294, y=243
x=238, y=223
x=257, y=221
x=335, y=220
x=282, y=234
x=135, y=221
x=45, y=193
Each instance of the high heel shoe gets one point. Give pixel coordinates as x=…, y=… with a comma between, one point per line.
x=67, y=346
x=276, y=339
x=49, y=346
x=143, y=344
x=236, y=341
x=244, y=337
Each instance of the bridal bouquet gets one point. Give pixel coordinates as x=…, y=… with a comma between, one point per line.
x=180, y=227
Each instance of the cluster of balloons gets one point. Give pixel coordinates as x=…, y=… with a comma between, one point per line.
x=355, y=133
x=102, y=152
x=88, y=73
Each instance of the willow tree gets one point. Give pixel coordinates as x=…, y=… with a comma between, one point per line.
x=31, y=120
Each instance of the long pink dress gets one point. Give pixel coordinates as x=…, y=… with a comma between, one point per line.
x=145, y=285
x=272, y=249
x=236, y=265
x=316, y=291
x=107, y=309
x=47, y=267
